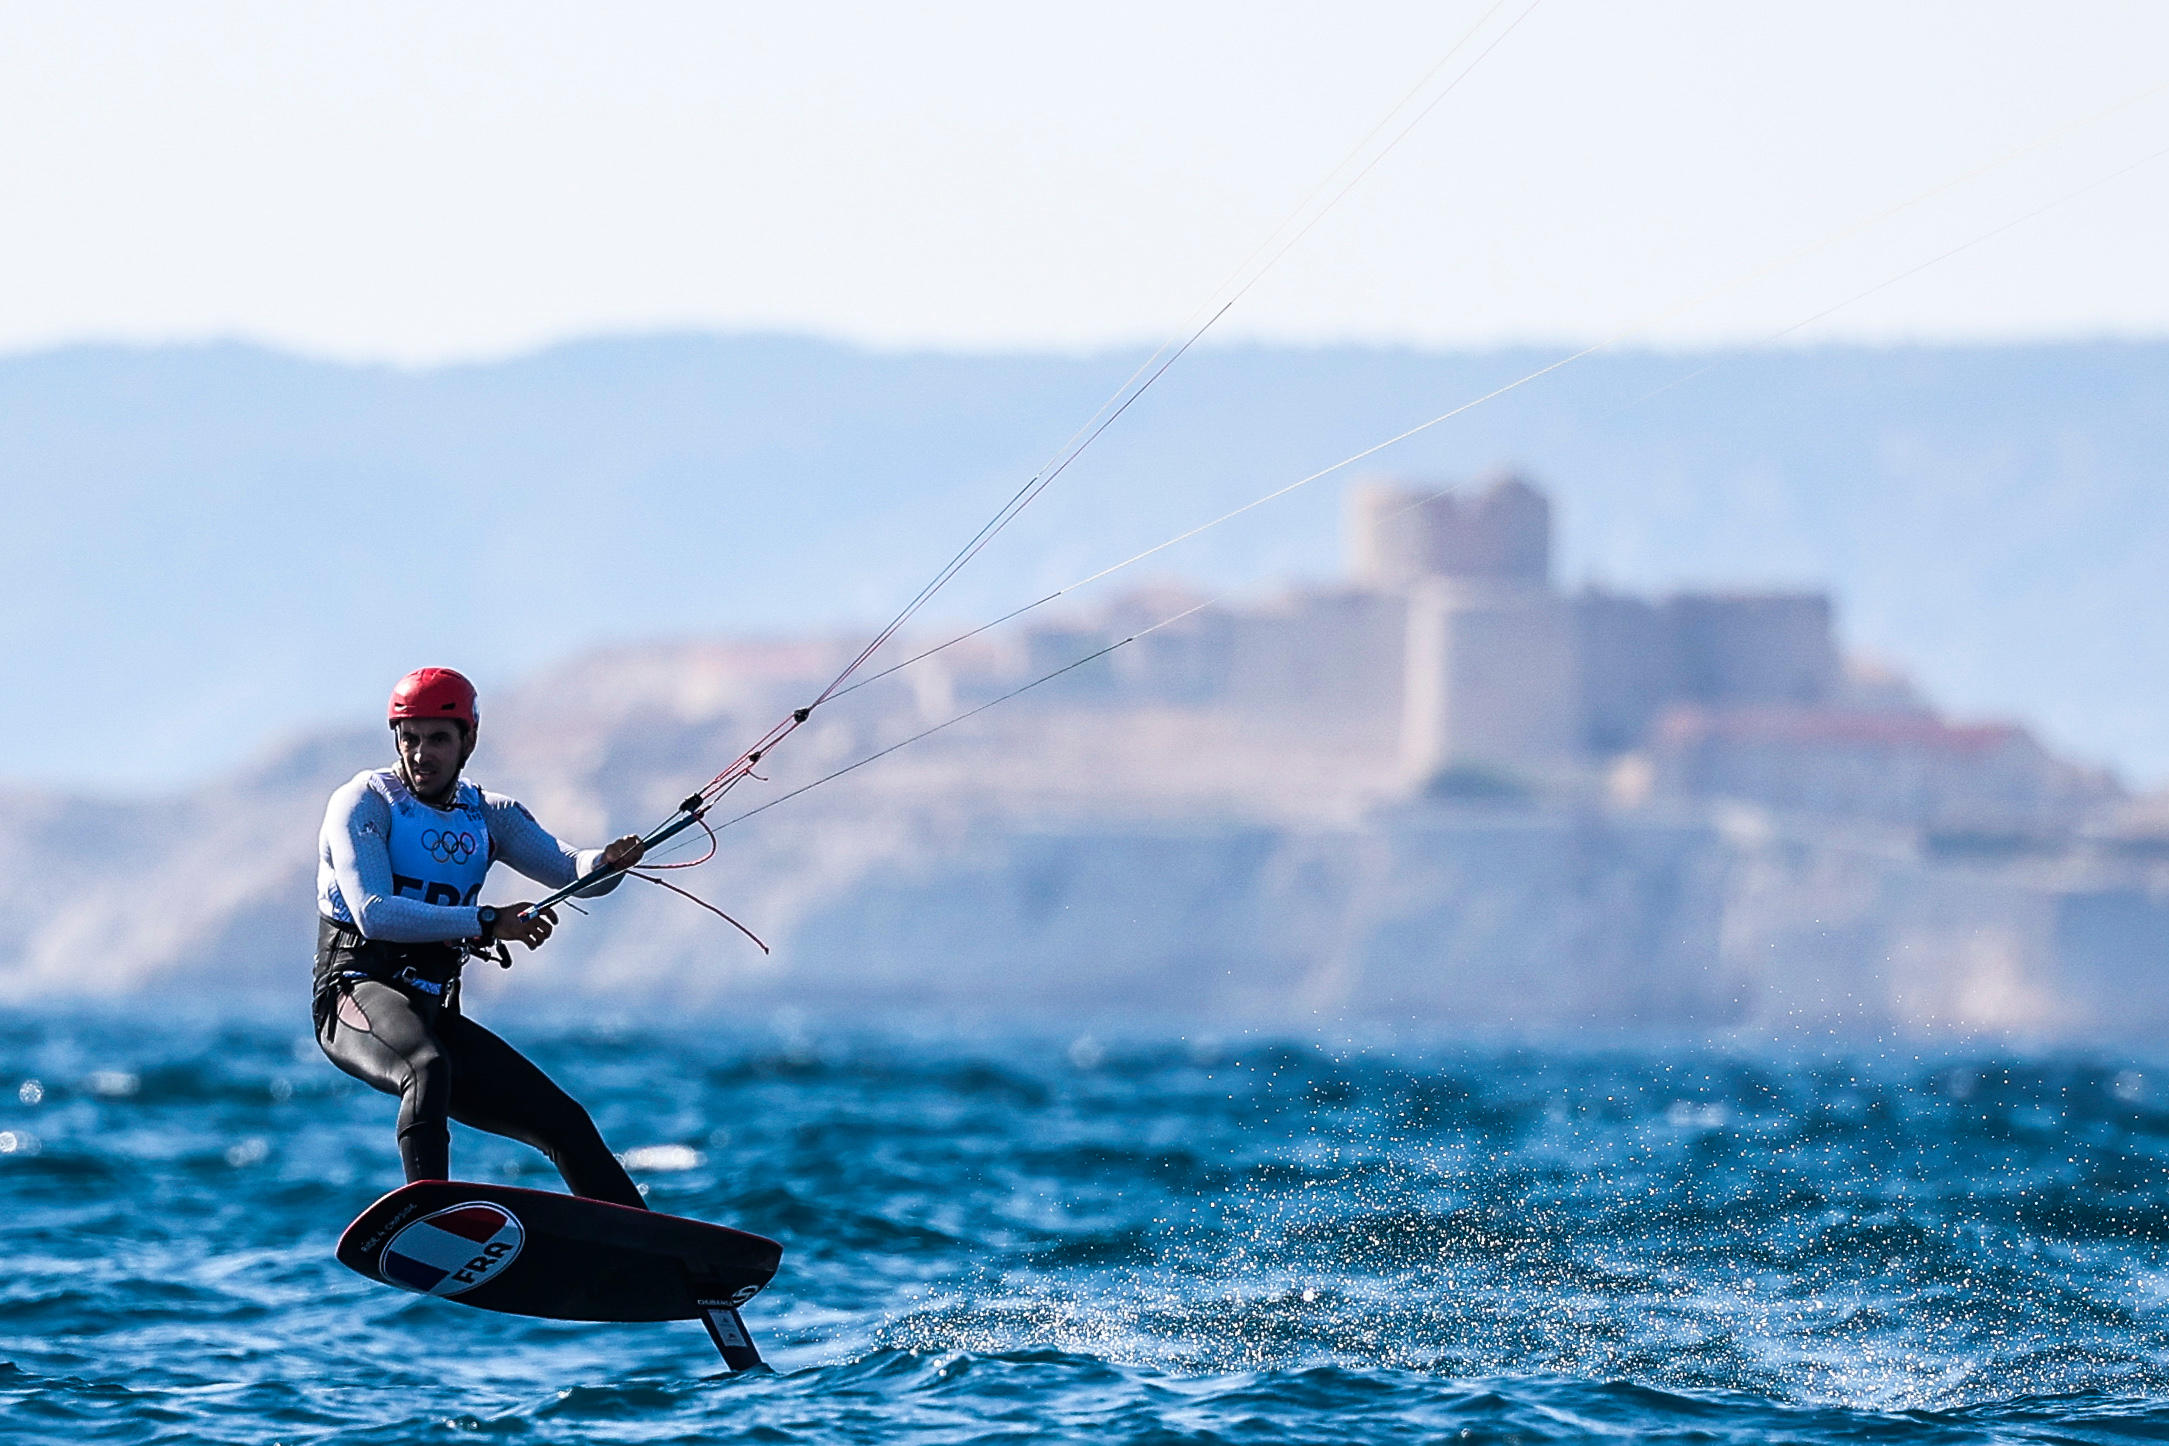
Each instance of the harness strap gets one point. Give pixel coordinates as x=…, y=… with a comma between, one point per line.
x=345, y=956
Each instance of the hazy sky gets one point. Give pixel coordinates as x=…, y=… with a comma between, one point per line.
x=426, y=181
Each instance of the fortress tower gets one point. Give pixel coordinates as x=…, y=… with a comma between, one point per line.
x=1401, y=537
x=1490, y=680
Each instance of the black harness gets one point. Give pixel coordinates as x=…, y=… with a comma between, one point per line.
x=429, y=972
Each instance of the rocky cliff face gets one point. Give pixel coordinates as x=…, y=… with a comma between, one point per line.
x=1056, y=860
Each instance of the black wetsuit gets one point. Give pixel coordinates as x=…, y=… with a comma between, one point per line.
x=389, y=1016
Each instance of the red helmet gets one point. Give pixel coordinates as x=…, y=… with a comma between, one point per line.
x=433, y=693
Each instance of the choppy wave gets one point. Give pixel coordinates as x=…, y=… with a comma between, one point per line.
x=1161, y=1241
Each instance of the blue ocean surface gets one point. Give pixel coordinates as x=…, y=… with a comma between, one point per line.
x=1128, y=1239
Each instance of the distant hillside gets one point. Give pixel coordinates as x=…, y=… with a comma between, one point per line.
x=210, y=545
x=1071, y=858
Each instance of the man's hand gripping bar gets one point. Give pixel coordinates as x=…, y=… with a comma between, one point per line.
x=688, y=814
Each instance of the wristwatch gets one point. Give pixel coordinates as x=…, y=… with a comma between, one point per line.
x=487, y=917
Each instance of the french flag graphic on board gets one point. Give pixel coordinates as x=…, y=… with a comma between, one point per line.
x=454, y=1250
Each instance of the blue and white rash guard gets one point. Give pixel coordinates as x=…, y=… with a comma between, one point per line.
x=409, y=872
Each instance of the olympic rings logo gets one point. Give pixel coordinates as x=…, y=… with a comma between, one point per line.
x=447, y=847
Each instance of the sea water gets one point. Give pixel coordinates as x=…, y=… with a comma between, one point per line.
x=1135, y=1238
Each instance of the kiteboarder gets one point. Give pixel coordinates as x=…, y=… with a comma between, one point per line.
x=400, y=866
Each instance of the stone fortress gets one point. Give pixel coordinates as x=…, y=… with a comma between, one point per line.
x=1452, y=650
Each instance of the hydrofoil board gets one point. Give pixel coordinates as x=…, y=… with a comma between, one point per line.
x=561, y=1257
